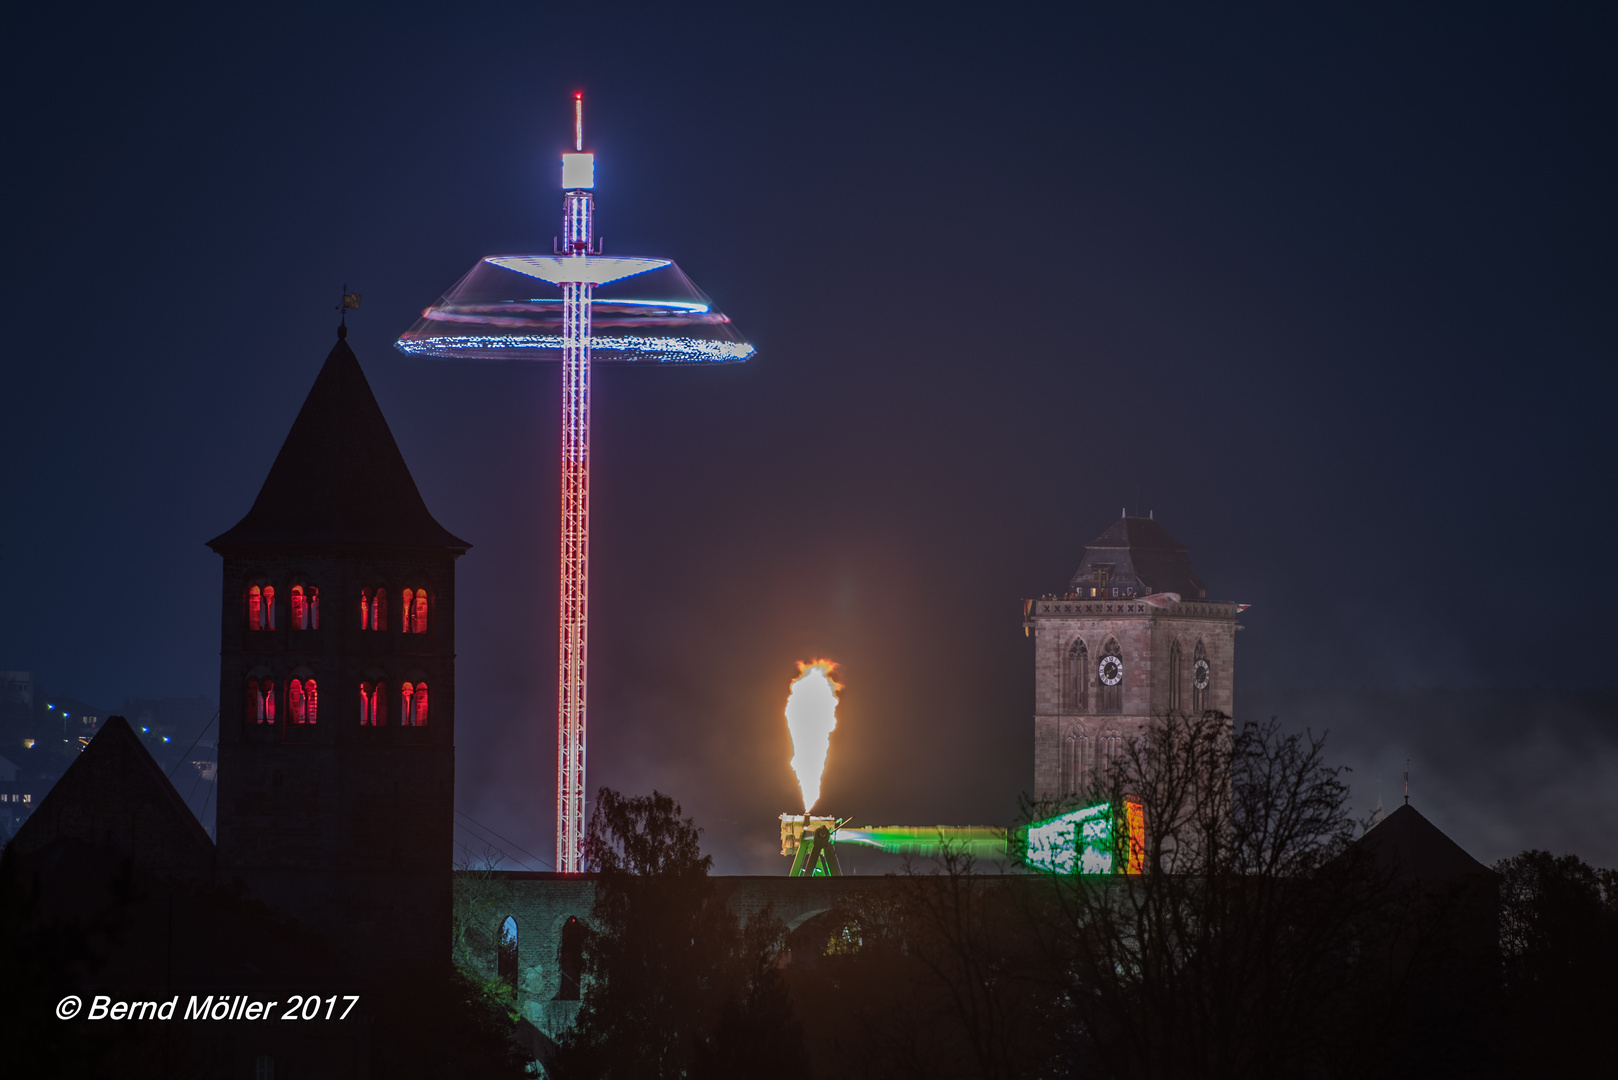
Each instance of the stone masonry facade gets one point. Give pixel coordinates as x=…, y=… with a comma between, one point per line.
x=1078, y=728
x=341, y=826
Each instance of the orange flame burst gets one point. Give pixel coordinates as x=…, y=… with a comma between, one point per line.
x=811, y=718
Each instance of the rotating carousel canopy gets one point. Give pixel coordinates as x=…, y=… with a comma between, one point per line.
x=509, y=307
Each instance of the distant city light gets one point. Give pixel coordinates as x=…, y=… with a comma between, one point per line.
x=28, y=744
x=165, y=738
x=146, y=729
x=50, y=706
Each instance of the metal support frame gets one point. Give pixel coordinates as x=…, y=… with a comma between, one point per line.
x=574, y=623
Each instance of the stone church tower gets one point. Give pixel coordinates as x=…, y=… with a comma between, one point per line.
x=337, y=688
x=1134, y=637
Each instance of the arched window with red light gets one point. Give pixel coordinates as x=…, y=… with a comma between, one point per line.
x=303, y=700
x=413, y=611
x=305, y=603
x=261, y=607
x=261, y=700
x=373, y=704
x=413, y=704
x=373, y=609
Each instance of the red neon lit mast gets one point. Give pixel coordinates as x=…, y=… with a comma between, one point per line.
x=578, y=231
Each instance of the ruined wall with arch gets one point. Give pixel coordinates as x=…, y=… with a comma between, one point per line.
x=542, y=903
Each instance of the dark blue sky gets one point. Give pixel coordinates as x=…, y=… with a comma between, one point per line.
x=1330, y=290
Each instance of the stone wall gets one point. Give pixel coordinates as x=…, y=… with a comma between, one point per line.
x=542, y=903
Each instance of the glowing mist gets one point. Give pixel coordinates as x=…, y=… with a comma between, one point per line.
x=811, y=718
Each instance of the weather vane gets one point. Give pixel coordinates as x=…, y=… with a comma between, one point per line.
x=350, y=302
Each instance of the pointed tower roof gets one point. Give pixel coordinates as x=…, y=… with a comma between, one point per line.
x=339, y=478
x=1410, y=846
x=114, y=793
x=1139, y=553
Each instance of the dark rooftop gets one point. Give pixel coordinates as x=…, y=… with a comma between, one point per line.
x=339, y=478
x=1412, y=847
x=114, y=793
x=1139, y=554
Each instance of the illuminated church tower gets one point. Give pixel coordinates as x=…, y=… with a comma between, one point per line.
x=1133, y=637
x=337, y=688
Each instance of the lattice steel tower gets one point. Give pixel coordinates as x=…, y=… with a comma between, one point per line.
x=616, y=308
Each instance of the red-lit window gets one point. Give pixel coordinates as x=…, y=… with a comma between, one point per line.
x=305, y=600
x=413, y=611
x=373, y=609
x=261, y=700
x=302, y=701
x=261, y=607
x=413, y=704
x=373, y=705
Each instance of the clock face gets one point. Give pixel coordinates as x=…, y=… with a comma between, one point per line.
x=1111, y=671
x=1199, y=674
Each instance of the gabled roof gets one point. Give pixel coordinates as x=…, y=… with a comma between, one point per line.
x=114, y=793
x=1138, y=552
x=1410, y=846
x=339, y=478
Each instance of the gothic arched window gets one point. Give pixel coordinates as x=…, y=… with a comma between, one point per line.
x=413, y=704
x=373, y=704
x=506, y=961
x=413, y=611
x=305, y=602
x=1110, y=677
x=1175, y=704
x=261, y=607
x=1076, y=679
x=1078, y=750
x=1109, y=752
x=570, y=960
x=261, y=700
x=1201, y=680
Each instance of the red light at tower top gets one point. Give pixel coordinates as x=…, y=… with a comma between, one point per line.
x=578, y=174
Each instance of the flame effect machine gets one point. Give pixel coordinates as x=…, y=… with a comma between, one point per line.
x=1089, y=840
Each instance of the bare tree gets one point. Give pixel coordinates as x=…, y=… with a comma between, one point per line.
x=1231, y=954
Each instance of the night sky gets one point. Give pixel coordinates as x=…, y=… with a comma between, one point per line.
x=1330, y=291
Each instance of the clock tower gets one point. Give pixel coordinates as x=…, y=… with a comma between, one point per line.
x=1133, y=638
